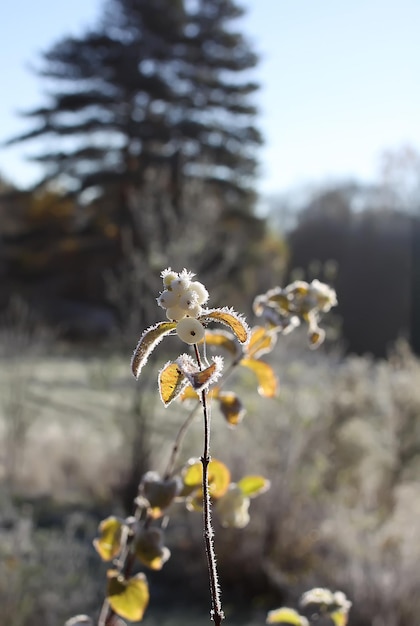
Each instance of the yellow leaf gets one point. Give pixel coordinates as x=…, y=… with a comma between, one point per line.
x=171, y=383
x=267, y=380
x=148, y=342
x=128, y=598
x=221, y=339
x=230, y=318
x=262, y=341
x=190, y=394
x=231, y=407
x=339, y=618
x=253, y=485
x=108, y=544
x=200, y=379
x=218, y=473
x=288, y=617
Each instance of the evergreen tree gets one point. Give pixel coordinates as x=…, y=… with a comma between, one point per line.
x=149, y=121
x=154, y=84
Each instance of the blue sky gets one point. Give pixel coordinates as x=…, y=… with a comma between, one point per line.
x=340, y=81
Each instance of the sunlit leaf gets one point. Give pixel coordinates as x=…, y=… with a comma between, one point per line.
x=148, y=342
x=231, y=407
x=339, y=618
x=230, y=318
x=190, y=394
x=221, y=339
x=171, y=382
x=279, y=299
x=218, y=475
x=267, y=380
x=127, y=598
x=287, y=617
x=252, y=486
x=108, y=544
x=262, y=341
x=200, y=379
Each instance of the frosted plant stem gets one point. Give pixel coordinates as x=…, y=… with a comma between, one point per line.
x=217, y=614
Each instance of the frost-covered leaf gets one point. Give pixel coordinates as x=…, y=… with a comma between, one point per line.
x=231, y=407
x=108, y=544
x=267, y=380
x=230, y=318
x=287, y=617
x=200, y=379
x=252, y=486
x=221, y=339
x=172, y=383
x=127, y=598
x=261, y=342
x=148, y=342
x=159, y=492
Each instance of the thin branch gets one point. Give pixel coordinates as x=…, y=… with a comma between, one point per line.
x=217, y=614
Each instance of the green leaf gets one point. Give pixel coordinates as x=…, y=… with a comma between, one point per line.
x=148, y=342
x=172, y=383
x=287, y=617
x=267, y=380
x=108, y=544
x=252, y=486
x=231, y=407
x=230, y=318
x=127, y=598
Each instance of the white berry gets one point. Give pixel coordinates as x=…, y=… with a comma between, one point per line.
x=190, y=330
x=200, y=290
x=175, y=313
x=167, y=299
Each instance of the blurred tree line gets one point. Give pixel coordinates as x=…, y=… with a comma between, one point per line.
x=365, y=240
x=149, y=141
x=149, y=146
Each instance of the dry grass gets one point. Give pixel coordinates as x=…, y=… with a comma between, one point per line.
x=341, y=445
